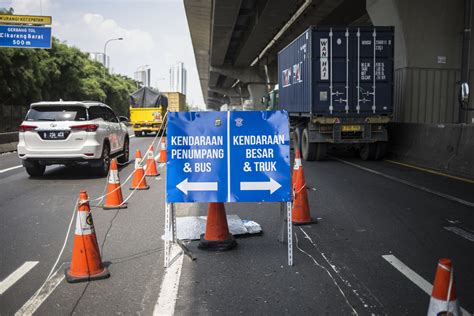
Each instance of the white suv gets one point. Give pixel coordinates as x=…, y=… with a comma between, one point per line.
x=72, y=132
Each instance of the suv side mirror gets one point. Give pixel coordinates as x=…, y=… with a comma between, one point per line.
x=123, y=119
x=464, y=94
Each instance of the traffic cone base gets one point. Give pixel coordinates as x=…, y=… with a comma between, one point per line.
x=308, y=222
x=217, y=236
x=86, y=263
x=217, y=245
x=105, y=274
x=124, y=205
x=113, y=197
x=146, y=187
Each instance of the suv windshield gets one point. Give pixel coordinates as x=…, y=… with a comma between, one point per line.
x=56, y=113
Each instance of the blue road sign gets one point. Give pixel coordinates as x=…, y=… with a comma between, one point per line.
x=25, y=36
x=241, y=156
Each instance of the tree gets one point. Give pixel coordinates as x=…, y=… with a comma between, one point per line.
x=62, y=72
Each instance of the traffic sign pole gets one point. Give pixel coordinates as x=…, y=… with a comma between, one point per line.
x=281, y=236
x=289, y=208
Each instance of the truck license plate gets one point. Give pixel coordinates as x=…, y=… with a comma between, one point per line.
x=351, y=128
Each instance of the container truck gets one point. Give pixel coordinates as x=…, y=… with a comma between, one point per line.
x=337, y=85
x=147, y=110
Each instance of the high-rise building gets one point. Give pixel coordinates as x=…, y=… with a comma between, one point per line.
x=178, y=78
x=100, y=58
x=143, y=74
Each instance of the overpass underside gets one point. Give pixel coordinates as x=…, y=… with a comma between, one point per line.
x=236, y=43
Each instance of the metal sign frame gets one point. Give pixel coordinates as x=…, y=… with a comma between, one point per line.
x=171, y=239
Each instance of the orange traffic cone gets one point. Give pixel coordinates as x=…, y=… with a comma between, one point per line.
x=163, y=151
x=300, y=213
x=150, y=164
x=217, y=236
x=139, y=181
x=113, y=198
x=86, y=263
x=443, y=298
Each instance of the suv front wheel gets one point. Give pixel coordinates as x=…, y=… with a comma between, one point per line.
x=104, y=162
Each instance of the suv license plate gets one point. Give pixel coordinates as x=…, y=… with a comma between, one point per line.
x=351, y=128
x=54, y=134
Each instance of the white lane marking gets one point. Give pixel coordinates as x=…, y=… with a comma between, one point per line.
x=354, y=312
x=426, y=286
x=409, y=273
x=131, y=136
x=43, y=292
x=11, y=168
x=169, y=289
x=336, y=270
x=443, y=195
x=461, y=232
x=16, y=275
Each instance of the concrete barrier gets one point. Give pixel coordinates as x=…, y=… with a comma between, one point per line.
x=445, y=147
x=8, y=142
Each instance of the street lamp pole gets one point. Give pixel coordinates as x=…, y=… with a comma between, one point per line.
x=105, y=50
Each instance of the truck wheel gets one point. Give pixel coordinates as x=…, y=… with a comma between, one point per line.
x=308, y=150
x=381, y=150
x=367, y=151
x=321, y=151
x=297, y=138
x=34, y=169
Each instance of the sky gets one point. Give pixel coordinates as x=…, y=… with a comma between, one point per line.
x=155, y=33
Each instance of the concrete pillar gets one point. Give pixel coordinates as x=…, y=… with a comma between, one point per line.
x=428, y=41
x=257, y=91
x=235, y=101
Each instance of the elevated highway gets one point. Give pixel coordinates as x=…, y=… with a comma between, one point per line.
x=236, y=45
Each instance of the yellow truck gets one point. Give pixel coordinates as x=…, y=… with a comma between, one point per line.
x=147, y=110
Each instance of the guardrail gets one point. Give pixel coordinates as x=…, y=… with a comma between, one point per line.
x=445, y=147
x=11, y=117
x=8, y=142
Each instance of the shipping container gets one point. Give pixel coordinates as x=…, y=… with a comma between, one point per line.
x=176, y=101
x=337, y=85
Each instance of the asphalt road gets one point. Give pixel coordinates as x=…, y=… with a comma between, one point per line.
x=366, y=210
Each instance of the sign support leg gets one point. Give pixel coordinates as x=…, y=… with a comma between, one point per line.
x=167, y=235
x=173, y=223
x=289, y=208
x=281, y=236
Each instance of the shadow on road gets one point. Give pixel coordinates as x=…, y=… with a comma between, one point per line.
x=72, y=172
